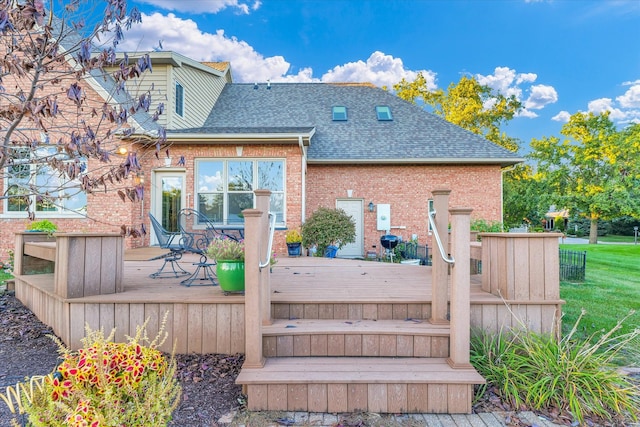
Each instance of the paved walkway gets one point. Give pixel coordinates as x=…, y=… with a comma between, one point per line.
x=495, y=419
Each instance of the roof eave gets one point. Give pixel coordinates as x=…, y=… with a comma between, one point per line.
x=503, y=162
x=234, y=138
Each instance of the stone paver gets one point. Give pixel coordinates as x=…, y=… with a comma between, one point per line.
x=496, y=419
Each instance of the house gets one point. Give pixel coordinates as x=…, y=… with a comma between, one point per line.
x=351, y=146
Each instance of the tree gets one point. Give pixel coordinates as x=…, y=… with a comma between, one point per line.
x=594, y=171
x=523, y=197
x=58, y=137
x=467, y=104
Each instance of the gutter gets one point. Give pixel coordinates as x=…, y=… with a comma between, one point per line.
x=503, y=162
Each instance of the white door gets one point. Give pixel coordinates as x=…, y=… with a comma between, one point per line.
x=167, y=199
x=355, y=208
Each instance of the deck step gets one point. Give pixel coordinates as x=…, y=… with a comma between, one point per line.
x=334, y=384
x=381, y=308
x=370, y=338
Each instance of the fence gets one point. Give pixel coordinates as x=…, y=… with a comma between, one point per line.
x=572, y=265
x=411, y=250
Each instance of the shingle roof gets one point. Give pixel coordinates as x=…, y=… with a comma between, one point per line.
x=413, y=135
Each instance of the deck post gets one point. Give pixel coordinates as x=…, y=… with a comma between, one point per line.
x=460, y=326
x=440, y=269
x=252, y=276
x=263, y=198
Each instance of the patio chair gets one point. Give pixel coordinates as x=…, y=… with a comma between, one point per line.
x=198, y=232
x=173, y=242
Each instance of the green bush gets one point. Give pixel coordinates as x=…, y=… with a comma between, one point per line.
x=571, y=375
x=43, y=225
x=327, y=227
x=484, y=226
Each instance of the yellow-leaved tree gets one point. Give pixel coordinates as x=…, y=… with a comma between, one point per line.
x=468, y=104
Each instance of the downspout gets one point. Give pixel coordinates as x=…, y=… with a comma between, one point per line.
x=303, y=180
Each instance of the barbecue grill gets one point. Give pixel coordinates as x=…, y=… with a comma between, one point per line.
x=389, y=242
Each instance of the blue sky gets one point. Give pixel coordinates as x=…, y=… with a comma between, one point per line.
x=557, y=56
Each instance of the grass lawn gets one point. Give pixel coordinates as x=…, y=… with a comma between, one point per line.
x=610, y=291
x=617, y=239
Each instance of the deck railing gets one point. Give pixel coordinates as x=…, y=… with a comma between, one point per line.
x=257, y=299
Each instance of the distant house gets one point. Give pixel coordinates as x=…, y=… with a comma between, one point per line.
x=351, y=146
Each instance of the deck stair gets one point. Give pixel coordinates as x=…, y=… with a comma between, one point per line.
x=330, y=355
x=350, y=365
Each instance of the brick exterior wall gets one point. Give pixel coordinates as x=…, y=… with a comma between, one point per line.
x=407, y=188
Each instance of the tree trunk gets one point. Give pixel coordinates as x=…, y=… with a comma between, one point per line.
x=593, y=231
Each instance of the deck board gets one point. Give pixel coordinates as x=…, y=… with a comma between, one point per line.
x=370, y=370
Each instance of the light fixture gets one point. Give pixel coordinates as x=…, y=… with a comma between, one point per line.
x=139, y=178
x=371, y=206
x=121, y=150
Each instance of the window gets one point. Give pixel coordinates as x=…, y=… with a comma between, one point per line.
x=29, y=174
x=429, y=210
x=383, y=112
x=179, y=99
x=225, y=187
x=339, y=114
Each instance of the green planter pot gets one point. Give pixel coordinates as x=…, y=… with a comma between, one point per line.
x=230, y=275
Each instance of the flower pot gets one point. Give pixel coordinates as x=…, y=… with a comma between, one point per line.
x=230, y=275
x=294, y=249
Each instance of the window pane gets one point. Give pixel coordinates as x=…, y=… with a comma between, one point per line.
x=171, y=202
x=277, y=206
x=210, y=176
x=240, y=176
x=211, y=205
x=75, y=201
x=237, y=203
x=383, y=112
x=270, y=175
x=179, y=99
x=339, y=113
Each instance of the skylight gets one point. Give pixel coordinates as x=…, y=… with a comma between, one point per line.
x=339, y=113
x=383, y=112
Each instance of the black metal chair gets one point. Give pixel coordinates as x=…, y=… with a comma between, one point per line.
x=198, y=232
x=171, y=241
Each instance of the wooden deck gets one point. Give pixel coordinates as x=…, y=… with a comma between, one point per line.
x=204, y=319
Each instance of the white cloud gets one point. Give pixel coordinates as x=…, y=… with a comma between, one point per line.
x=503, y=79
x=631, y=98
x=202, y=6
x=527, y=113
x=508, y=82
x=379, y=69
x=183, y=36
x=539, y=96
x=601, y=105
x=562, y=116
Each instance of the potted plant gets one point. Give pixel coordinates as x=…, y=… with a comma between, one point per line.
x=294, y=242
x=329, y=230
x=229, y=256
x=43, y=226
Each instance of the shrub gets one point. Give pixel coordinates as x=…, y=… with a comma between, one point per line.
x=225, y=249
x=540, y=371
x=484, y=226
x=103, y=384
x=43, y=225
x=327, y=227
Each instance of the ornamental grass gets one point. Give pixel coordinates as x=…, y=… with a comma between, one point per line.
x=578, y=376
x=103, y=384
